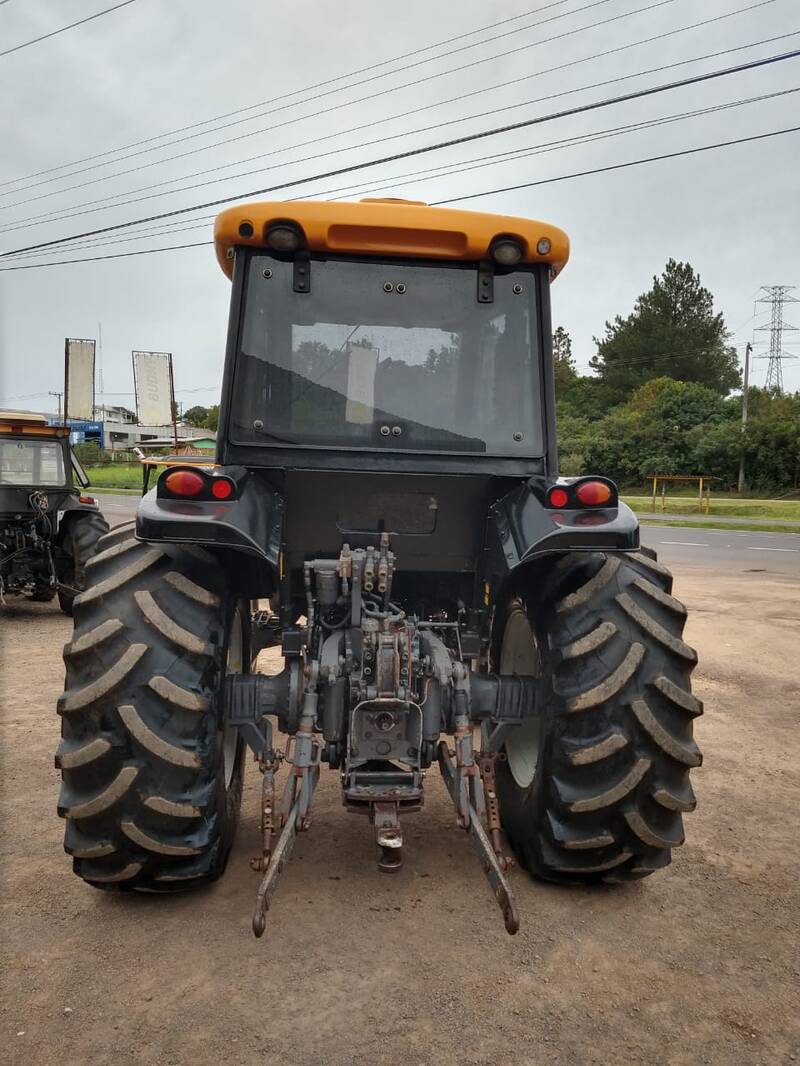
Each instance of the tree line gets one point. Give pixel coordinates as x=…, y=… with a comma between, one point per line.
x=659, y=400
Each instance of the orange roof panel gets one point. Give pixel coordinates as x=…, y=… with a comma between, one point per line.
x=404, y=228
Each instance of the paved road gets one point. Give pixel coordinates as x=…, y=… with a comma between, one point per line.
x=725, y=550
x=715, y=549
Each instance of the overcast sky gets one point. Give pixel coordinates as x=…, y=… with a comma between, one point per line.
x=155, y=66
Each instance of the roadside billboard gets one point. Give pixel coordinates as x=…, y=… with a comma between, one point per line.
x=152, y=382
x=78, y=378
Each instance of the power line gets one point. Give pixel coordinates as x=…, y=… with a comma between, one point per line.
x=464, y=139
x=59, y=214
x=621, y=166
x=471, y=196
x=284, y=96
x=71, y=26
x=462, y=167
x=372, y=96
x=117, y=255
x=445, y=170
x=147, y=235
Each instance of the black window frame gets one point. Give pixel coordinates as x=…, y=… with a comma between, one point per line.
x=275, y=454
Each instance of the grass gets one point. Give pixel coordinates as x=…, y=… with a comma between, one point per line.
x=733, y=527
x=115, y=476
x=720, y=505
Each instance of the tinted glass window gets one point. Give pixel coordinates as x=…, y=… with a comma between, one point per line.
x=388, y=355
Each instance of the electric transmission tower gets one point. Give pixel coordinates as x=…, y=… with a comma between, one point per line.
x=776, y=296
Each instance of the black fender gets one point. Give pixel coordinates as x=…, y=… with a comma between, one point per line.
x=522, y=530
x=71, y=508
x=248, y=529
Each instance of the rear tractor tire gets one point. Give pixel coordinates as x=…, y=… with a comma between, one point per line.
x=594, y=789
x=151, y=781
x=80, y=544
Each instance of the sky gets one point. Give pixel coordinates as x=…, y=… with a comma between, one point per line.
x=73, y=102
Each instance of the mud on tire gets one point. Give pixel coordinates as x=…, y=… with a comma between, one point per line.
x=151, y=785
x=610, y=764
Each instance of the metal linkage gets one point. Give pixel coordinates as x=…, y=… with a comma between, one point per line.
x=480, y=840
x=295, y=809
x=462, y=775
x=486, y=764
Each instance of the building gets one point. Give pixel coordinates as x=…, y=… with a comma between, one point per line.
x=115, y=429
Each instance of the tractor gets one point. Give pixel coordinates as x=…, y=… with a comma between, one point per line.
x=49, y=527
x=386, y=494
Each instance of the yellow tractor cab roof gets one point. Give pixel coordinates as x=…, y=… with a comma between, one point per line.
x=28, y=424
x=405, y=228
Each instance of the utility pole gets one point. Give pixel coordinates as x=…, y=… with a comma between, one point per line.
x=100, y=366
x=59, y=395
x=776, y=296
x=748, y=348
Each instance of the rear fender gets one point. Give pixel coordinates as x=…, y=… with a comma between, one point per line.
x=522, y=530
x=71, y=508
x=248, y=530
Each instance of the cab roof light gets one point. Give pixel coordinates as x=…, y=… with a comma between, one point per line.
x=506, y=251
x=284, y=237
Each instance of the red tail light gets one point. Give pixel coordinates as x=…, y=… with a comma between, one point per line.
x=593, y=493
x=557, y=497
x=184, y=483
x=221, y=488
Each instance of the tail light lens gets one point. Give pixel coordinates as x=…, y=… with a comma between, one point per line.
x=221, y=488
x=184, y=483
x=575, y=495
x=557, y=497
x=593, y=493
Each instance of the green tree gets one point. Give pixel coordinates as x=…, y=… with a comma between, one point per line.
x=673, y=331
x=196, y=416
x=563, y=364
x=659, y=431
x=212, y=418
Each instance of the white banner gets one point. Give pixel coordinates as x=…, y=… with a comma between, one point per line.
x=78, y=379
x=152, y=380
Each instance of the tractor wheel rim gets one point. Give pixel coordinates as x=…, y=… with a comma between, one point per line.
x=520, y=656
x=230, y=735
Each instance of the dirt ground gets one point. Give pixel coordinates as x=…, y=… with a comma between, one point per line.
x=698, y=964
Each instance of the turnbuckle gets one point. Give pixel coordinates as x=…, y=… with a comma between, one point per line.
x=486, y=764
